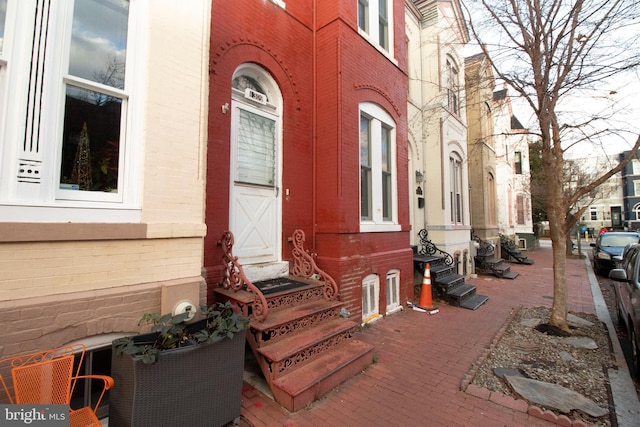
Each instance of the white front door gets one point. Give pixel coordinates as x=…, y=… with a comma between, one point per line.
x=255, y=188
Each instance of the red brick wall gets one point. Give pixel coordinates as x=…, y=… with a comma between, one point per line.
x=280, y=41
x=349, y=71
x=359, y=73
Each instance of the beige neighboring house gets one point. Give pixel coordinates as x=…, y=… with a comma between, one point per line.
x=436, y=36
x=513, y=189
x=102, y=192
x=482, y=161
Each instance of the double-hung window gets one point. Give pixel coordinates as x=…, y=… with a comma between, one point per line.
x=378, y=195
x=95, y=102
x=453, y=87
x=375, y=19
x=517, y=161
x=66, y=138
x=455, y=189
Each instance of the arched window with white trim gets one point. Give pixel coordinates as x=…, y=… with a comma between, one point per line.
x=378, y=195
x=636, y=211
x=456, y=193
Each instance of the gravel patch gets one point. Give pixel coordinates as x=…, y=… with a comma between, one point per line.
x=551, y=359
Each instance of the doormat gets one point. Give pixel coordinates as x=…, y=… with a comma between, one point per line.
x=280, y=284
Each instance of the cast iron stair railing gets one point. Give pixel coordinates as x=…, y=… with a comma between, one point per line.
x=486, y=261
x=448, y=285
x=510, y=251
x=301, y=341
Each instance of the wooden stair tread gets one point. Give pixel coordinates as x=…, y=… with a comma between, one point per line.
x=283, y=316
x=322, y=367
x=296, y=342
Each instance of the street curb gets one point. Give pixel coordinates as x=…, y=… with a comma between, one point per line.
x=623, y=392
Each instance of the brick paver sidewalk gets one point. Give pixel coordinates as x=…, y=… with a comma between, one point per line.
x=423, y=359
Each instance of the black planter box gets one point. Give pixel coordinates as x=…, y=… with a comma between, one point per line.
x=196, y=385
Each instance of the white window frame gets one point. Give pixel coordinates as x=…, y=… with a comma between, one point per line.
x=370, y=298
x=453, y=86
x=456, y=193
x=5, y=52
x=45, y=201
x=371, y=32
x=380, y=118
x=393, y=291
x=517, y=162
x=593, y=213
x=636, y=188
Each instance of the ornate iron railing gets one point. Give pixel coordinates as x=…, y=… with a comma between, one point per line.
x=235, y=278
x=485, y=249
x=427, y=247
x=305, y=266
x=508, y=243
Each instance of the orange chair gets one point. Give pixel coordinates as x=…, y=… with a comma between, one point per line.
x=48, y=377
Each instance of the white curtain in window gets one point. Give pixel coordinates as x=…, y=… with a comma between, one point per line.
x=256, y=149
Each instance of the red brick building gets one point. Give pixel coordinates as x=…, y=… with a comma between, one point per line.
x=308, y=130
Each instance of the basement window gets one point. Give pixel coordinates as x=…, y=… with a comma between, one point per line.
x=370, y=296
x=393, y=291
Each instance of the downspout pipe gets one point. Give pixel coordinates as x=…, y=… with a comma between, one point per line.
x=314, y=122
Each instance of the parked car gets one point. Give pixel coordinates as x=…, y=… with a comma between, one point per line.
x=608, y=245
x=626, y=287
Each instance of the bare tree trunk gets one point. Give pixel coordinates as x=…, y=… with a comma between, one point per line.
x=558, y=316
x=568, y=248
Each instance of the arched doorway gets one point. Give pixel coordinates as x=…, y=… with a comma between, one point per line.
x=256, y=166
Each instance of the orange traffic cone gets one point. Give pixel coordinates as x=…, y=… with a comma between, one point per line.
x=426, y=302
